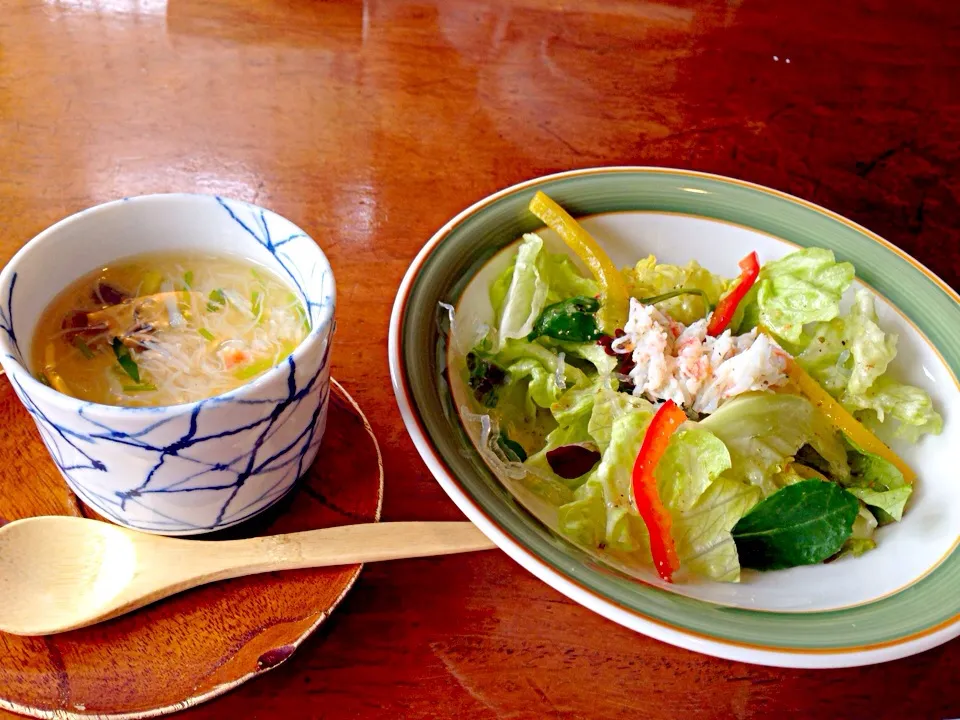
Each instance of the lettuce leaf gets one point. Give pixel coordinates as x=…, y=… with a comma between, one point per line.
x=703, y=503
x=850, y=355
x=527, y=294
x=590, y=353
x=552, y=277
x=609, y=406
x=878, y=483
x=572, y=413
x=564, y=279
x=647, y=279
x=702, y=534
x=692, y=460
x=576, y=404
x=911, y=407
x=803, y=287
x=763, y=432
x=583, y=520
x=500, y=286
x=532, y=384
x=861, y=539
x=609, y=487
x=890, y=502
x=516, y=350
x=871, y=349
x=847, y=354
x=825, y=355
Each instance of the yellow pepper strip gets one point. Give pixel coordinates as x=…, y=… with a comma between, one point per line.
x=614, y=299
x=844, y=421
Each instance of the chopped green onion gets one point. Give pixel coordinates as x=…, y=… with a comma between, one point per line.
x=207, y=334
x=125, y=359
x=82, y=346
x=255, y=303
x=185, y=305
x=140, y=387
x=253, y=369
x=216, y=300
x=42, y=377
x=256, y=275
x=300, y=310
x=188, y=278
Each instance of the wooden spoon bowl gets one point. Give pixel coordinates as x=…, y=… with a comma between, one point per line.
x=198, y=644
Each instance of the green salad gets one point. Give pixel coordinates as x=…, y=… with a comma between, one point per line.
x=690, y=422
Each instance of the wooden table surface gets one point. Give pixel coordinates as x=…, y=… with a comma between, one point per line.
x=370, y=124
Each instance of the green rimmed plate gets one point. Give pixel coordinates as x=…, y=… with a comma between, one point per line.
x=895, y=601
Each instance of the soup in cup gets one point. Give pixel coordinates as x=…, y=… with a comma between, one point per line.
x=173, y=351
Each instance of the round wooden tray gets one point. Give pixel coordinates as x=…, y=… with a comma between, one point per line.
x=200, y=644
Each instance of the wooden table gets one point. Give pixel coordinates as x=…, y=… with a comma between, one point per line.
x=370, y=125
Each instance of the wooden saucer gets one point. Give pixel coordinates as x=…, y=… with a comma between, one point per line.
x=197, y=645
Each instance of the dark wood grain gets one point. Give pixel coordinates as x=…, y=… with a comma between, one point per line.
x=370, y=125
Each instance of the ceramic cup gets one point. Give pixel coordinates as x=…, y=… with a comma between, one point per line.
x=181, y=469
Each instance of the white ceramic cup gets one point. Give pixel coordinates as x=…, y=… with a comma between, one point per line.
x=181, y=469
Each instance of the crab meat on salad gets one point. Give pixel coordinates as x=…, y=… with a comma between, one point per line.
x=696, y=370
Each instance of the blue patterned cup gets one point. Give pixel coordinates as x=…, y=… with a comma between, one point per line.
x=181, y=469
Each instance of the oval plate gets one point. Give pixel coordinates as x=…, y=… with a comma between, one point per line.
x=805, y=617
x=201, y=643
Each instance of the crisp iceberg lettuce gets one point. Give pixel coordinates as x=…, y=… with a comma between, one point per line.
x=526, y=295
x=648, y=279
x=530, y=385
x=564, y=279
x=877, y=483
x=803, y=287
x=911, y=407
x=871, y=349
x=764, y=431
x=849, y=356
x=591, y=353
x=862, y=537
x=534, y=279
x=702, y=533
x=608, y=488
x=609, y=406
x=703, y=504
x=692, y=460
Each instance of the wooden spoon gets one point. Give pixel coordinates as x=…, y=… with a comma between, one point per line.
x=59, y=573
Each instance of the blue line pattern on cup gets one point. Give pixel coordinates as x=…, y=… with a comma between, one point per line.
x=6, y=316
x=74, y=448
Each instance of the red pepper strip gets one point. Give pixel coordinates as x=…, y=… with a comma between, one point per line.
x=749, y=269
x=655, y=516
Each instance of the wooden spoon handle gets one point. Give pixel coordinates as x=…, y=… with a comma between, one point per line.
x=348, y=545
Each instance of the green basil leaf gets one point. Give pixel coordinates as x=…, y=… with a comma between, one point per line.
x=573, y=319
x=485, y=379
x=800, y=524
x=126, y=360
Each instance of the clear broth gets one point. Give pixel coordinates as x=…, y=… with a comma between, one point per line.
x=167, y=328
